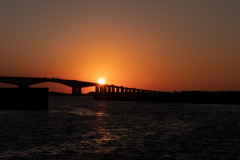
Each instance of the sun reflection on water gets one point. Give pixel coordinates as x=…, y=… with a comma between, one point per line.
x=103, y=132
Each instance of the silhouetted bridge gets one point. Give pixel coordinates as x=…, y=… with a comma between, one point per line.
x=112, y=92
x=100, y=89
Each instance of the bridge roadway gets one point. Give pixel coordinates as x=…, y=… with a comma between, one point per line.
x=25, y=82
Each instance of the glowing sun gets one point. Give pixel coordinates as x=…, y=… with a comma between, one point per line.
x=101, y=81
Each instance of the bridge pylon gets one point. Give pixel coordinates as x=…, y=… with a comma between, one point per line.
x=76, y=90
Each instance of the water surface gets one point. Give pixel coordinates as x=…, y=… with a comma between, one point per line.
x=81, y=128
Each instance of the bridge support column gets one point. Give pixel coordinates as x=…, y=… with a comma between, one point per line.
x=122, y=89
x=108, y=88
x=102, y=89
x=76, y=90
x=97, y=89
x=113, y=88
x=134, y=90
x=23, y=86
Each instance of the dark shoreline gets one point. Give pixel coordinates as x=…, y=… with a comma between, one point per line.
x=196, y=97
x=65, y=94
x=37, y=98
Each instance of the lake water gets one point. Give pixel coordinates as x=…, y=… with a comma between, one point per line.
x=82, y=128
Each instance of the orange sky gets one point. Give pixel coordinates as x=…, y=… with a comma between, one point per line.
x=155, y=45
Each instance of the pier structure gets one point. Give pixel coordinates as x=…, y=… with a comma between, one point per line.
x=112, y=90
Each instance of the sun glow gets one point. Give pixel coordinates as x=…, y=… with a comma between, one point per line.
x=101, y=81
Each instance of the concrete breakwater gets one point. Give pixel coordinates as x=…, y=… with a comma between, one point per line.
x=23, y=98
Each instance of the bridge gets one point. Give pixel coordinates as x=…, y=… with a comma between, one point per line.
x=100, y=89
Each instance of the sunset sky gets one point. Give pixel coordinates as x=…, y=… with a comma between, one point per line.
x=164, y=45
